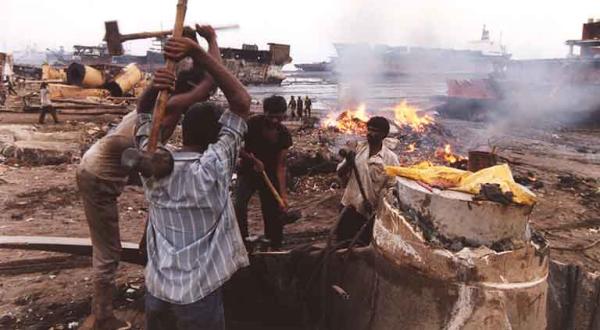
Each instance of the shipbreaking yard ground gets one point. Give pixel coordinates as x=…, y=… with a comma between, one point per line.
x=44, y=289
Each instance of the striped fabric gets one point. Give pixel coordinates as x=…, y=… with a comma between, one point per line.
x=194, y=244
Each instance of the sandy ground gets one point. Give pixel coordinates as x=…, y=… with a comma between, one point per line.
x=39, y=290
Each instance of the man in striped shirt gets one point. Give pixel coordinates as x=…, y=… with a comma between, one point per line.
x=194, y=244
x=101, y=177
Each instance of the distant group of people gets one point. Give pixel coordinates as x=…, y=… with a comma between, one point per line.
x=299, y=107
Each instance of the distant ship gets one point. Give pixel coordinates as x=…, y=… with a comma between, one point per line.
x=483, y=57
x=557, y=85
x=316, y=67
x=257, y=67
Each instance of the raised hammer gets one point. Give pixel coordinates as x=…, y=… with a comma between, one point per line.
x=152, y=162
x=114, y=39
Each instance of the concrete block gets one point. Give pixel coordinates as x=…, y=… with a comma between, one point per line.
x=456, y=216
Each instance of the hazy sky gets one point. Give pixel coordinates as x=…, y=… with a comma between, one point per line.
x=529, y=28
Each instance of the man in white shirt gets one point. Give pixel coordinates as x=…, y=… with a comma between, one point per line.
x=46, y=104
x=368, y=164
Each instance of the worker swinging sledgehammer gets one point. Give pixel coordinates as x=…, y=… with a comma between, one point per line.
x=263, y=165
x=101, y=178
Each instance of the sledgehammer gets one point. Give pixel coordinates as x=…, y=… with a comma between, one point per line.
x=153, y=163
x=289, y=216
x=114, y=39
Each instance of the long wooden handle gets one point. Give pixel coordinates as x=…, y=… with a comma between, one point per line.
x=145, y=35
x=273, y=190
x=163, y=96
x=162, y=34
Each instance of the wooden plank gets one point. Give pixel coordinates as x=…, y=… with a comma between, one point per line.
x=85, y=102
x=93, y=112
x=89, y=107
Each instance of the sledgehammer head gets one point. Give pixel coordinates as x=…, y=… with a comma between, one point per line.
x=157, y=165
x=113, y=38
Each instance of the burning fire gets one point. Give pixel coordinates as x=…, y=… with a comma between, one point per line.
x=406, y=115
x=354, y=121
x=447, y=155
x=349, y=121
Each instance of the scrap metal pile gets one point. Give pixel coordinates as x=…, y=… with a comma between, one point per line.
x=91, y=89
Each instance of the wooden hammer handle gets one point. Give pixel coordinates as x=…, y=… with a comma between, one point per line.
x=273, y=190
x=145, y=35
x=163, y=96
x=163, y=34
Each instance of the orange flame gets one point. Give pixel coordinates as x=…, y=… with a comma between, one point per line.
x=406, y=115
x=349, y=121
x=447, y=155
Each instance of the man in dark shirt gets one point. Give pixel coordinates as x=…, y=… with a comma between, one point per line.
x=307, y=106
x=299, y=106
x=292, y=107
x=267, y=143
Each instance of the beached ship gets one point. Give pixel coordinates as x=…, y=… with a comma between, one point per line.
x=482, y=57
x=250, y=64
x=316, y=67
x=561, y=85
x=257, y=67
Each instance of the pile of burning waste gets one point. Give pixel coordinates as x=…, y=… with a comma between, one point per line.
x=416, y=133
x=463, y=237
x=407, y=119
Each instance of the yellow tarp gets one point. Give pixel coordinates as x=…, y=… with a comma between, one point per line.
x=469, y=182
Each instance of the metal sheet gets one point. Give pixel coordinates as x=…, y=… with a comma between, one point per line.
x=79, y=246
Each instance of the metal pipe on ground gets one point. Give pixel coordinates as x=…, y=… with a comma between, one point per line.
x=124, y=82
x=59, y=91
x=84, y=76
x=54, y=74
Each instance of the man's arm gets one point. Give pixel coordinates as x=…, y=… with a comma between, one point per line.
x=235, y=92
x=344, y=169
x=163, y=80
x=208, y=33
x=257, y=163
x=178, y=104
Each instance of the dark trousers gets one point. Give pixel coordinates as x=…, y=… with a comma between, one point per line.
x=206, y=313
x=351, y=222
x=247, y=185
x=51, y=110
